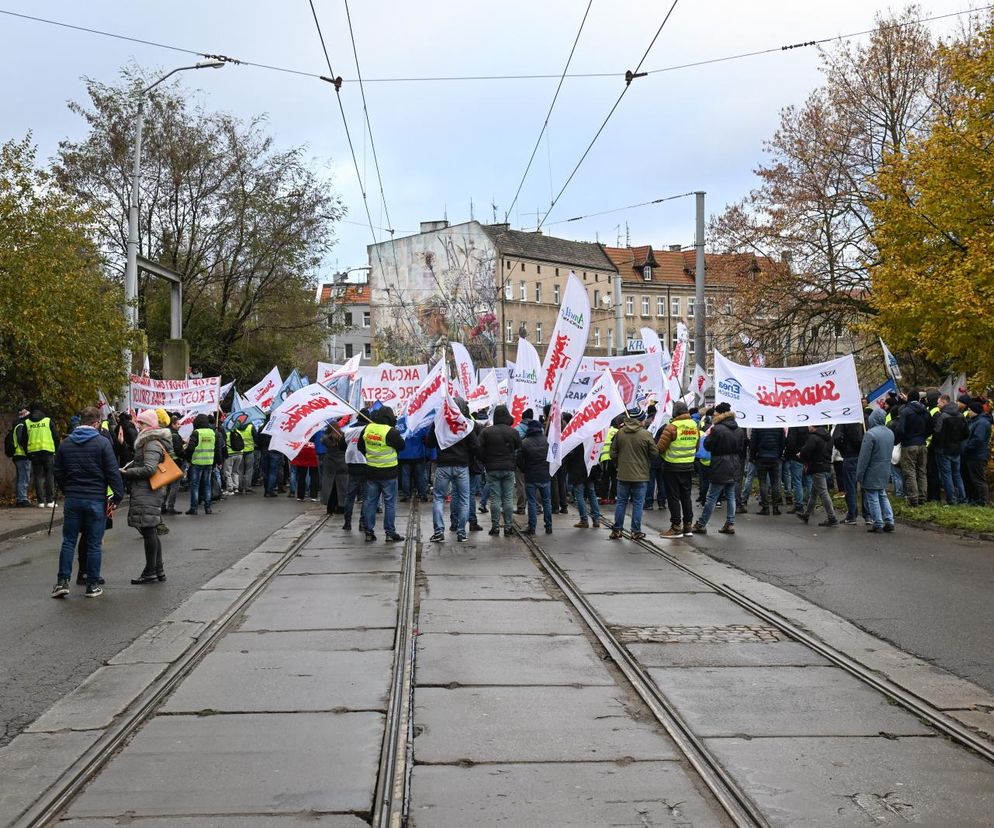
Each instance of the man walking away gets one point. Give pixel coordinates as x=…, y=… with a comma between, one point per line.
x=797, y=436
x=452, y=472
x=766, y=450
x=632, y=451
x=977, y=451
x=203, y=453
x=39, y=441
x=355, y=463
x=847, y=439
x=911, y=431
x=726, y=442
x=816, y=455
x=14, y=447
x=584, y=485
x=678, y=446
x=85, y=467
x=534, y=465
x=499, y=445
x=873, y=471
x=379, y=442
x=949, y=432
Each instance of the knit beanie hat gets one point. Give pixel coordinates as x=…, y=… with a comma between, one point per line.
x=148, y=418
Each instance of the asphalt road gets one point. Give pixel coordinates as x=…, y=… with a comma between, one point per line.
x=925, y=592
x=48, y=647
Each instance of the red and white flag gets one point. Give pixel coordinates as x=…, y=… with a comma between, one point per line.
x=486, y=395
x=426, y=400
x=679, y=363
x=263, y=392
x=525, y=390
x=700, y=382
x=300, y=415
x=753, y=354
x=451, y=425
x=654, y=386
x=465, y=372
x=569, y=339
x=349, y=369
x=602, y=404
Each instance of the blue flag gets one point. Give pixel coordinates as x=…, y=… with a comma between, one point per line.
x=292, y=383
x=877, y=396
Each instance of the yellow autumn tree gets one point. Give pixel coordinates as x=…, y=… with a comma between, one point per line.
x=62, y=329
x=933, y=289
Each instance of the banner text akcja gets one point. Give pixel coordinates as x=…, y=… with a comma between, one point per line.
x=392, y=385
x=175, y=395
x=820, y=394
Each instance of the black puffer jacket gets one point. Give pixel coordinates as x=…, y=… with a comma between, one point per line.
x=576, y=467
x=146, y=503
x=767, y=445
x=532, y=459
x=500, y=443
x=847, y=438
x=85, y=466
x=726, y=442
x=817, y=451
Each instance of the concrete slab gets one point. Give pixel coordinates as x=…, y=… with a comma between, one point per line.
x=557, y=796
x=981, y=721
x=320, y=641
x=100, y=698
x=440, y=561
x=508, y=660
x=331, y=561
x=249, y=764
x=284, y=681
x=256, y=821
x=482, y=587
x=647, y=581
x=670, y=609
x=531, y=724
x=838, y=783
x=781, y=701
x=606, y=557
x=244, y=573
x=325, y=602
x=31, y=763
x=205, y=606
x=162, y=644
x=504, y=617
x=774, y=653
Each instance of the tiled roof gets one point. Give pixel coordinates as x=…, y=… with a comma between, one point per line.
x=540, y=247
x=353, y=295
x=677, y=267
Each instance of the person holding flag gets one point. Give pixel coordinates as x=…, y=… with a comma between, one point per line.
x=379, y=442
x=632, y=451
x=678, y=446
x=452, y=433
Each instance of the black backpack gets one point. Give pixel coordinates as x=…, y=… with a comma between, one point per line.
x=8, y=442
x=237, y=442
x=955, y=430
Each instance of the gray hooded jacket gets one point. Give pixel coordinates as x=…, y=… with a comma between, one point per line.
x=873, y=466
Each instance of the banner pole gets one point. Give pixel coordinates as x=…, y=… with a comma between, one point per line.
x=346, y=404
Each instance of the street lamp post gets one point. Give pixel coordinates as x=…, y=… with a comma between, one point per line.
x=131, y=269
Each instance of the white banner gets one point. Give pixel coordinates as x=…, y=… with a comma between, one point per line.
x=655, y=351
x=569, y=338
x=465, y=372
x=300, y=415
x=325, y=370
x=486, y=395
x=427, y=397
x=629, y=372
x=525, y=390
x=176, y=395
x=700, y=382
x=810, y=395
x=263, y=393
x=679, y=364
x=602, y=405
x=578, y=390
x=349, y=369
x=392, y=385
x=450, y=424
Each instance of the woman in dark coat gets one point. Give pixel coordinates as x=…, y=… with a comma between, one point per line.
x=334, y=471
x=145, y=511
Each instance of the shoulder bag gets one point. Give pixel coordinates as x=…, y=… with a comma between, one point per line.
x=166, y=471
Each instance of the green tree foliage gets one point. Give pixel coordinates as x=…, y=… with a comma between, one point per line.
x=62, y=328
x=934, y=285
x=244, y=223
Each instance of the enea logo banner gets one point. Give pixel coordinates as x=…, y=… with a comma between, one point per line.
x=809, y=395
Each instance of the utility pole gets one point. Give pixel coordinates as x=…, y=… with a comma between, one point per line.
x=619, y=334
x=699, y=301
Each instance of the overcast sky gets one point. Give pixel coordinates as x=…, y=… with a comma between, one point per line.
x=443, y=144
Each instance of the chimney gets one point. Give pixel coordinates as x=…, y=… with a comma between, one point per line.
x=501, y=227
x=433, y=226
x=674, y=248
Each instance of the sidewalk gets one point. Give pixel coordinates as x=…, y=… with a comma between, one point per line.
x=16, y=522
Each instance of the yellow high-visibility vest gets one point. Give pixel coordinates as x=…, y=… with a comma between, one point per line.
x=606, y=450
x=203, y=454
x=684, y=446
x=378, y=454
x=247, y=438
x=40, y=435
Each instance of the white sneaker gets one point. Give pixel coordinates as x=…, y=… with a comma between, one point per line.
x=50, y=505
x=42, y=505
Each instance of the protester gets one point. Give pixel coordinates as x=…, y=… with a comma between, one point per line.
x=499, y=445
x=355, y=462
x=452, y=473
x=203, y=452
x=519, y=479
x=248, y=435
x=678, y=445
x=949, y=433
x=766, y=448
x=656, y=490
x=608, y=478
x=726, y=443
x=379, y=442
x=976, y=453
x=534, y=465
x=334, y=471
x=14, y=447
x=176, y=452
x=477, y=475
x=873, y=471
x=306, y=463
x=632, y=451
x=145, y=508
x=414, y=466
x=584, y=485
x=40, y=439
x=797, y=436
x=232, y=470
x=913, y=427
x=816, y=455
x=847, y=439
x=85, y=467
x=124, y=438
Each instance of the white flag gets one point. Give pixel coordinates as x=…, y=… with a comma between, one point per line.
x=465, y=372
x=655, y=384
x=486, y=395
x=325, y=370
x=679, y=354
x=301, y=414
x=427, y=398
x=701, y=381
x=146, y=369
x=451, y=425
x=525, y=390
x=569, y=338
x=602, y=405
x=263, y=392
x=349, y=369
x=890, y=362
x=554, y=455
x=754, y=355
x=225, y=390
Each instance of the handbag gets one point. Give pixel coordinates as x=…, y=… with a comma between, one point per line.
x=166, y=472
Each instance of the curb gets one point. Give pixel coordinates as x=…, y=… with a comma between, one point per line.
x=30, y=529
x=945, y=530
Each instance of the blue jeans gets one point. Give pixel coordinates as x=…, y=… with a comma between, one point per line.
x=897, y=479
x=952, y=479
x=475, y=486
x=501, y=483
x=586, y=493
x=801, y=483
x=716, y=491
x=356, y=486
x=414, y=477
x=750, y=475
x=374, y=488
x=272, y=460
x=200, y=478
x=879, y=506
x=656, y=487
x=456, y=477
x=849, y=484
x=88, y=517
x=532, y=491
x=23, y=466
x=635, y=492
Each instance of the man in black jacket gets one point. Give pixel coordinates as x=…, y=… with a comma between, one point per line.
x=499, y=445
x=949, y=432
x=726, y=443
x=85, y=467
x=534, y=464
x=766, y=450
x=380, y=442
x=452, y=471
x=911, y=432
x=847, y=438
x=817, y=457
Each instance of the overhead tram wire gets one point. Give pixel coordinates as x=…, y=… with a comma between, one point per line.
x=548, y=114
x=629, y=77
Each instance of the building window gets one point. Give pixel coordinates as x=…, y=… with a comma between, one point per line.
x=508, y=290
x=597, y=278
x=365, y=319
x=728, y=306
x=838, y=330
x=691, y=345
x=557, y=271
x=524, y=291
x=538, y=268
x=508, y=331
x=708, y=306
x=660, y=306
x=675, y=306
x=629, y=306
x=691, y=305
x=348, y=319
x=555, y=293
x=610, y=336
x=597, y=337
x=331, y=354
x=645, y=305
x=647, y=273
x=538, y=333
x=538, y=291
x=367, y=350
x=523, y=268
x=597, y=299
x=348, y=350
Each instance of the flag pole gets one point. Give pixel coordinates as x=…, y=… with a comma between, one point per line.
x=346, y=404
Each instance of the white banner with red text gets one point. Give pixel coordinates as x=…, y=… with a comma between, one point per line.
x=392, y=385
x=263, y=392
x=176, y=395
x=569, y=338
x=629, y=372
x=526, y=393
x=300, y=415
x=602, y=405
